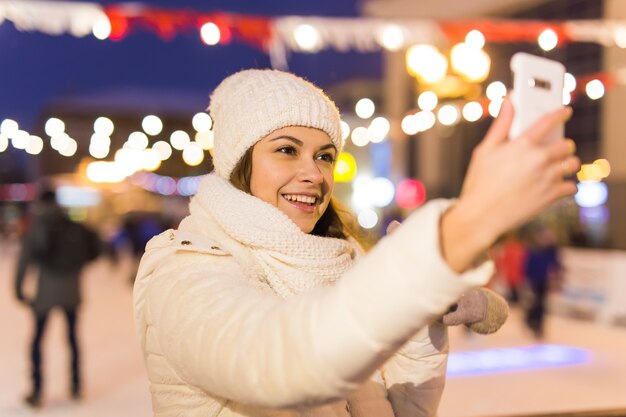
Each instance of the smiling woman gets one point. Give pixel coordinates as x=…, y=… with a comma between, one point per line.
x=262, y=303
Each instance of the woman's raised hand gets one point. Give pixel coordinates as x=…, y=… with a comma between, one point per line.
x=507, y=183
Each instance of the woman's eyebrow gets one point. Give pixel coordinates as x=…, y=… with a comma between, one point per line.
x=301, y=143
x=290, y=138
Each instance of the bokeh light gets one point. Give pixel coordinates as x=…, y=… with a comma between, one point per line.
x=410, y=193
x=367, y=218
x=202, y=122
x=548, y=40
x=152, y=125
x=427, y=101
x=345, y=168
x=54, y=126
x=307, y=37
x=365, y=108
x=595, y=89
x=210, y=33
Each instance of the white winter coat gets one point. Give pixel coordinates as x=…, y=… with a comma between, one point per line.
x=219, y=341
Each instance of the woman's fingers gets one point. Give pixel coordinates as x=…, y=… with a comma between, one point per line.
x=393, y=226
x=561, y=149
x=499, y=130
x=540, y=129
x=570, y=165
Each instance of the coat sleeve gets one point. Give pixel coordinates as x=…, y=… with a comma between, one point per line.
x=32, y=243
x=23, y=261
x=235, y=341
x=415, y=376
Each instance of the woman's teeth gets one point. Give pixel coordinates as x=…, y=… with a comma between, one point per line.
x=300, y=198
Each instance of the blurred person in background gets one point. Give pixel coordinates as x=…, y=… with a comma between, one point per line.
x=543, y=272
x=262, y=302
x=135, y=232
x=59, y=248
x=509, y=255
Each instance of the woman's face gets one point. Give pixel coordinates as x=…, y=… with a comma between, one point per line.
x=292, y=169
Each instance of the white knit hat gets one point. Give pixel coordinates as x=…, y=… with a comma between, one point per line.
x=251, y=104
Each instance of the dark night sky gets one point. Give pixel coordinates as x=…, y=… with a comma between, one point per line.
x=37, y=69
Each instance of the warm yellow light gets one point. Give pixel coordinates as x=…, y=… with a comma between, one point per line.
x=150, y=160
x=345, y=168
x=590, y=172
x=471, y=63
x=604, y=167
x=193, y=154
x=426, y=63
x=205, y=140
x=103, y=171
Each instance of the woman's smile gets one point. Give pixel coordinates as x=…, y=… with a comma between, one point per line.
x=304, y=202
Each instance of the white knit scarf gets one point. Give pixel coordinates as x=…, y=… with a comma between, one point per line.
x=266, y=241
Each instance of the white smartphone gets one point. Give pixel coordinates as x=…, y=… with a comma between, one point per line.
x=537, y=90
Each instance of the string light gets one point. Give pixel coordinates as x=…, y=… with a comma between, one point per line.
x=392, y=37
x=210, y=33
x=307, y=38
x=595, y=89
x=548, y=40
x=102, y=28
x=54, y=127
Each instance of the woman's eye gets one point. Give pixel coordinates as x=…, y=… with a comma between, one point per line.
x=290, y=150
x=327, y=157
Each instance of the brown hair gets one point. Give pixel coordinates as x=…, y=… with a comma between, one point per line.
x=337, y=221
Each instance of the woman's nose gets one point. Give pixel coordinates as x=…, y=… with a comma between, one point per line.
x=310, y=172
